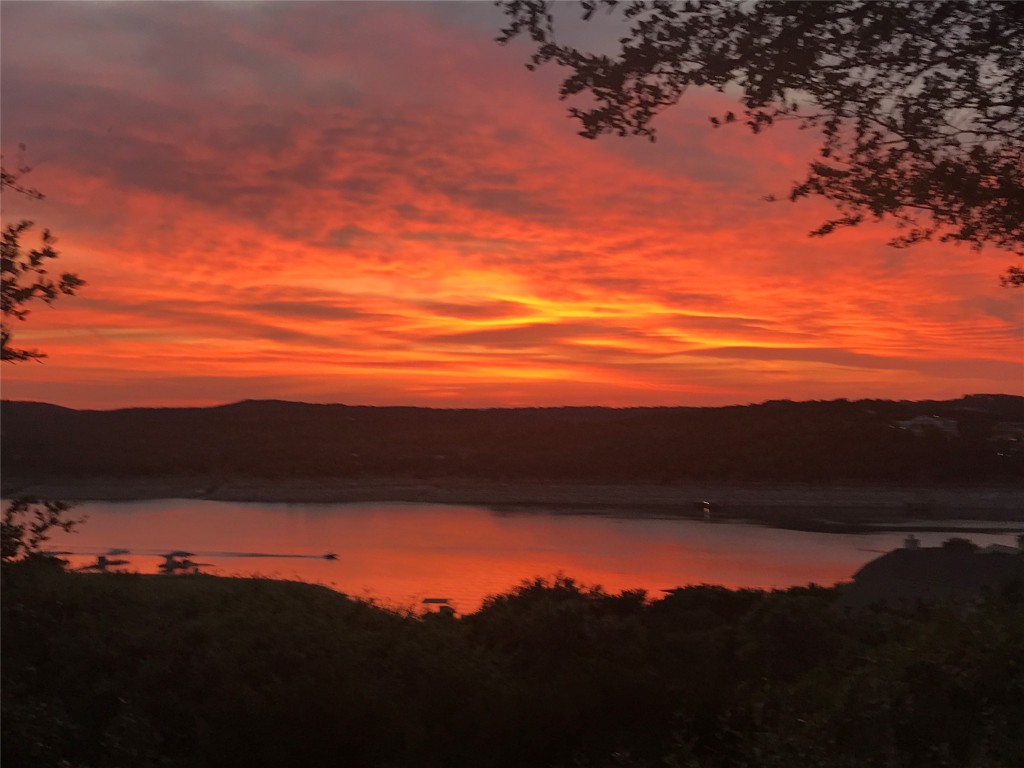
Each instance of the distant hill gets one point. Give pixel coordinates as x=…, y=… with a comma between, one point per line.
x=777, y=441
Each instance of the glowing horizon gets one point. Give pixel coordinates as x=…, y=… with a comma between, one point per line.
x=376, y=204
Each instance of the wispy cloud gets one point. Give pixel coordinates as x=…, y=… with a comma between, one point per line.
x=374, y=203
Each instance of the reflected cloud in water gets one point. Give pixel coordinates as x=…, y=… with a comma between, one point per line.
x=398, y=554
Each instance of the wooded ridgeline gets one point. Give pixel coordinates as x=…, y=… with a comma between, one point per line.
x=975, y=439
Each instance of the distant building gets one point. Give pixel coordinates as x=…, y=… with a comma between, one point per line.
x=905, y=578
x=919, y=425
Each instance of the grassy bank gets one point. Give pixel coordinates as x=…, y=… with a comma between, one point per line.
x=105, y=670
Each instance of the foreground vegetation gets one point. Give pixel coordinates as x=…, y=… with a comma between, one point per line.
x=132, y=670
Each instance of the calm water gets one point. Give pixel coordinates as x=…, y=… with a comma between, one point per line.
x=399, y=554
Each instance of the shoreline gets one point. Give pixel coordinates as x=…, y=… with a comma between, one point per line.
x=838, y=508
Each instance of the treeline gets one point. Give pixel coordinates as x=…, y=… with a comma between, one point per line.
x=117, y=670
x=774, y=441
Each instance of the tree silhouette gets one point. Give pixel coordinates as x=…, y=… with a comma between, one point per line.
x=25, y=277
x=25, y=526
x=919, y=105
x=26, y=523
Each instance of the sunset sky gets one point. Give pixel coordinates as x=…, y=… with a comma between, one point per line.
x=374, y=203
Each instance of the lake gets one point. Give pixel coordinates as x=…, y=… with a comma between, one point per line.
x=398, y=554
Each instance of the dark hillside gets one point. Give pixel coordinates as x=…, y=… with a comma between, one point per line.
x=778, y=441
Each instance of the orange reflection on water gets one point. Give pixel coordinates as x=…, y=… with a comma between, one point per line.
x=399, y=554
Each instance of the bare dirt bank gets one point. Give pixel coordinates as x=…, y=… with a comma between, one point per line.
x=780, y=504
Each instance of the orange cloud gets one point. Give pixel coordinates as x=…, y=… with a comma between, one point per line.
x=366, y=204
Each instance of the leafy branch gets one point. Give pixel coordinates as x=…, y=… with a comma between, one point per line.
x=918, y=105
x=24, y=274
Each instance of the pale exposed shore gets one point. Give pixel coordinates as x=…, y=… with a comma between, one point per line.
x=788, y=504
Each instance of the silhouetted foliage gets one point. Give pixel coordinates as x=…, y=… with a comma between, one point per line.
x=25, y=271
x=919, y=105
x=961, y=543
x=23, y=279
x=1014, y=277
x=123, y=669
x=27, y=524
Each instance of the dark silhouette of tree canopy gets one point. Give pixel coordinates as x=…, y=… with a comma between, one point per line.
x=27, y=523
x=25, y=277
x=25, y=526
x=920, y=105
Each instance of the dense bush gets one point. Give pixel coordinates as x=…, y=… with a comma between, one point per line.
x=131, y=670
